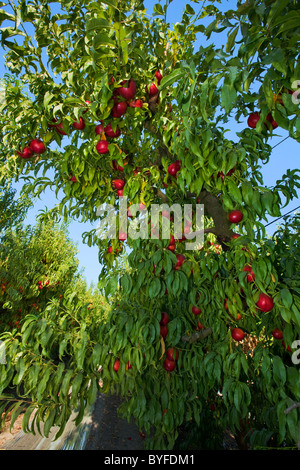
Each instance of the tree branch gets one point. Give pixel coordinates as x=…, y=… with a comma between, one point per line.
x=197, y=336
x=292, y=407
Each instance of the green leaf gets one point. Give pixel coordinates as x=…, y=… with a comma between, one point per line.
x=47, y=98
x=279, y=371
x=158, y=10
x=234, y=191
x=93, y=389
x=292, y=421
x=66, y=383
x=277, y=59
x=26, y=417
x=102, y=40
x=231, y=39
x=76, y=384
x=111, y=286
x=286, y=298
x=154, y=288
x=228, y=97
x=20, y=368
x=238, y=397
x=49, y=421
x=174, y=76
x=17, y=410
x=275, y=11
x=94, y=24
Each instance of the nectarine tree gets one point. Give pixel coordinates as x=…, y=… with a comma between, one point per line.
x=90, y=62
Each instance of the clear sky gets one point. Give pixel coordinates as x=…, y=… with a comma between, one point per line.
x=284, y=156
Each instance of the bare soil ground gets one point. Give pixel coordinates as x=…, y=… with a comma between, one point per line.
x=6, y=435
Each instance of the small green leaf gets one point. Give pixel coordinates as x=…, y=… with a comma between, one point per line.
x=174, y=76
x=228, y=96
x=286, y=298
x=231, y=39
x=154, y=288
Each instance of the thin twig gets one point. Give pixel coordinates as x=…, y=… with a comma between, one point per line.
x=197, y=336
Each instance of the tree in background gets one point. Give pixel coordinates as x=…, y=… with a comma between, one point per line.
x=12, y=210
x=113, y=102
x=36, y=264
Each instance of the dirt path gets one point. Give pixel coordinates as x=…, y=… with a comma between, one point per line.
x=109, y=431
x=101, y=429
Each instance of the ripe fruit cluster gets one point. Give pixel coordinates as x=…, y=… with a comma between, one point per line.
x=163, y=324
x=171, y=359
x=255, y=117
x=36, y=147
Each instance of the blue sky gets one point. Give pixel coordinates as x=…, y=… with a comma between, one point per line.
x=284, y=156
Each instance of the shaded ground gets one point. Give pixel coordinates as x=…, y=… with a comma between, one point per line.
x=6, y=435
x=101, y=429
x=109, y=431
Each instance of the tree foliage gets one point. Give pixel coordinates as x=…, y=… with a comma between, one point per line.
x=73, y=69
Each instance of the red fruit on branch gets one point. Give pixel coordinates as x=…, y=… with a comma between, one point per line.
x=116, y=166
x=164, y=318
x=37, y=146
x=172, y=354
x=235, y=236
x=109, y=132
x=119, y=192
x=196, y=310
x=235, y=217
x=265, y=303
x=251, y=275
x=287, y=348
x=171, y=248
x=110, y=249
x=119, y=109
x=80, y=125
x=136, y=171
x=272, y=121
x=60, y=129
x=153, y=90
x=53, y=123
x=253, y=120
x=237, y=334
x=158, y=76
x=87, y=102
x=169, y=365
x=26, y=153
x=116, y=365
x=99, y=129
x=163, y=331
x=102, y=147
x=136, y=103
x=180, y=259
x=174, y=168
x=128, y=92
x=73, y=179
x=277, y=333
x=118, y=184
